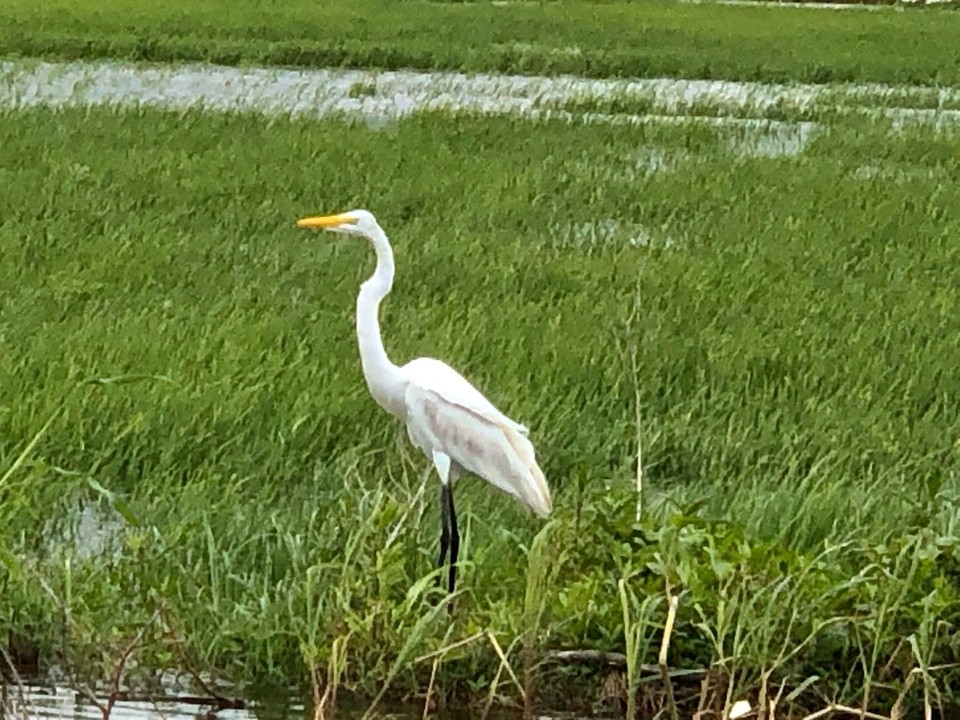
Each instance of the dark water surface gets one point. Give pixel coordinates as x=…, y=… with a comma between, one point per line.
x=39, y=701
x=46, y=701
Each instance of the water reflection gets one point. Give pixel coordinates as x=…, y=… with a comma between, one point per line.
x=37, y=701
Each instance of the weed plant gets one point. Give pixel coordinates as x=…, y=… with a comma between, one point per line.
x=789, y=330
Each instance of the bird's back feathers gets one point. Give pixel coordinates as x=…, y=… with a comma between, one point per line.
x=445, y=413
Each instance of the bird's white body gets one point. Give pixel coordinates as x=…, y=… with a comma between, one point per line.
x=451, y=421
x=462, y=431
x=446, y=417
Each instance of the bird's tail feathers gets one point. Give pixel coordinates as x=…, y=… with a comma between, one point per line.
x=533, y=490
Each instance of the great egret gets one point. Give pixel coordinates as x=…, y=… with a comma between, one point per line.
x=457, y=428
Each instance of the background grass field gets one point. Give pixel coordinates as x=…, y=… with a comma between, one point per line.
x=787, y=327
x=651, y=38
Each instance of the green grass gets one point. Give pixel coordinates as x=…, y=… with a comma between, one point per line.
x=792, y=352
x=649, y=38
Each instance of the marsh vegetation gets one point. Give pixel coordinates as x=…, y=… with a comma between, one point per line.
x=189, y=457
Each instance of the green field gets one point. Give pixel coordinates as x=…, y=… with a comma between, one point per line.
x=788, y=328
x=600, y=39
x=188, y=449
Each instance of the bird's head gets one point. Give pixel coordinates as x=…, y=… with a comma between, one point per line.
x=354, y=222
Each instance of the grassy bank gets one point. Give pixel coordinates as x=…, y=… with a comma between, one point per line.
x=648, y=38
x=788, y=327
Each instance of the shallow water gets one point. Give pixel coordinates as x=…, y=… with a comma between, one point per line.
x=322, y=92
x=327, y=91
x=60, y=702
x=380, y=97
x=393, y=94
x=92, y=530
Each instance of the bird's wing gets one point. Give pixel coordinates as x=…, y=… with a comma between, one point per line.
x=456, y=389
x=445, y=413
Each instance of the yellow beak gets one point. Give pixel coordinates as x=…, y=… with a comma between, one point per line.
x=325, y=221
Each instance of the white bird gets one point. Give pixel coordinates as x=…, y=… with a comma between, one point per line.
x=457, y=428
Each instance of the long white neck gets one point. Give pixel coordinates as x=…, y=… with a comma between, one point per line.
x=384, y=379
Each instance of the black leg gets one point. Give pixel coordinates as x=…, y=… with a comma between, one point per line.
x=444, y=528
x=454, y=538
